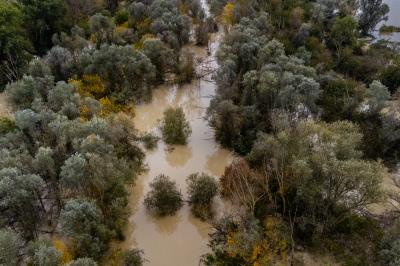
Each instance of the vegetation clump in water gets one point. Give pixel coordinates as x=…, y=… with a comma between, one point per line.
x=164, y=198
x=202, y=189
x=175, y=128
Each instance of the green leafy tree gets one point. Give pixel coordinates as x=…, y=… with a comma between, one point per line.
x=164, y=198
x=42, y=19
x=322, y=165
x=14, y=47
x=372, y=13
x=202, y=189
x=175, y=128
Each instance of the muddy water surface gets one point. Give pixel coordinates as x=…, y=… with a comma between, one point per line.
x=180, y=239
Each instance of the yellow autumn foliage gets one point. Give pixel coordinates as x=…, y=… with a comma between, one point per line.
x=227, y=13
x=108, y=107
x=89, y=86
x=65, y=254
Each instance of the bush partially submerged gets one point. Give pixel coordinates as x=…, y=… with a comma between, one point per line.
x=186, y=68
x=133, y=257
x=164, y=198
x=175, y=128
x=149, y=141
x=202, y=189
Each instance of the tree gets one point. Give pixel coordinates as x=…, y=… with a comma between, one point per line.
x=202, y=34
x=21, y=201
x=10, y=244
x=201, y=190
x=79, y=10
x=14, y=48
x=126, y=73
x=319, y=170
x=242, y=185
x=160, y=56
x=42, y=19
x=164, y=198
x=175, y=128
x=372, y=13
x=343, y=34
x=42, y=253
x=390, y=246
x=377, y=96
x=102, y=29
x=390, y=77
x=81, y=222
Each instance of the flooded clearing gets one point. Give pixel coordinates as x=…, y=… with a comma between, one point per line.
x=180, y=239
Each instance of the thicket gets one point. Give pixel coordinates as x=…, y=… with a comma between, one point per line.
x=70, y=70
x=312, y=107
x=164, y=198
x=202, y=189
x=174, y=126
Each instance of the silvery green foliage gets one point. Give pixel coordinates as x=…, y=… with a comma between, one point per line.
x=73, y=172
x=53, y=153
x=60, y=61
x=75, y=42
x=26, y=119
x=160, y=55
x=81, y=221
x=42, y=253
x=377, y=96
x=10, y=244
x=21, y=199
x=44, y=163
x=83, y=262
x=102, y=29
x=258, y=77
x=130, y=74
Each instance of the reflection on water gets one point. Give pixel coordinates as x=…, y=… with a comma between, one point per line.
x=178, y=156
x=180, y=239
x=393, y=20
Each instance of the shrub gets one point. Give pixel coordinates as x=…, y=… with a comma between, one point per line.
x=121, y=17
x=390, y=246
x=133, y=257
x=83, y=262
x=175, y=128
x=6, y=125
x=164, y=198
x=149, y=141
x=201, y=34
x=186, y=70
x=202, y=189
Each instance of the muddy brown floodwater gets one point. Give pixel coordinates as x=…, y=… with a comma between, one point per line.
x=178, y=240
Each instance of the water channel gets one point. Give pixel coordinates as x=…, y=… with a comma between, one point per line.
x=180, y=239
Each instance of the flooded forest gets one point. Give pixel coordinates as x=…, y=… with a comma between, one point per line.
x=199, y=132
